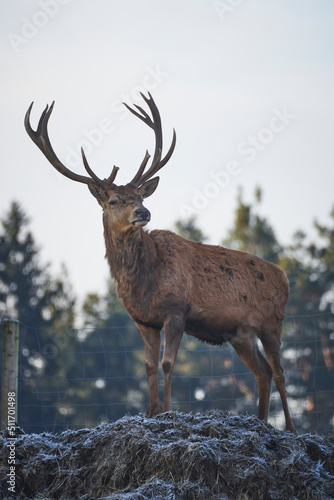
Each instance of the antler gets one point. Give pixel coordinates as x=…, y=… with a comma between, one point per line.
x=41, y=138
x=155, y=124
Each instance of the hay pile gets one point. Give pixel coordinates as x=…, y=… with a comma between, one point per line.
x=173, y=456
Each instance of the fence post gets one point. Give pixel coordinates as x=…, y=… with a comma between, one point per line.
x=10, y=367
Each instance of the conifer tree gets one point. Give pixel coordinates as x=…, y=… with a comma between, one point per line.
x=45, y=308
x=27, y=291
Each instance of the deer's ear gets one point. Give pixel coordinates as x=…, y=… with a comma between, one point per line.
x=98, y=193
x=149, y=187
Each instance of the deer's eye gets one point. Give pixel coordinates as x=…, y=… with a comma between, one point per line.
x=112, y=202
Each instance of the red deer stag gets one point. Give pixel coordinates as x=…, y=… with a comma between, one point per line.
x=165, y=281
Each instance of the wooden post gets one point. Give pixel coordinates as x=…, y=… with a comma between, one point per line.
x=10, y=370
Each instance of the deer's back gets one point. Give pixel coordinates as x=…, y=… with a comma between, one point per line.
x=220, y=289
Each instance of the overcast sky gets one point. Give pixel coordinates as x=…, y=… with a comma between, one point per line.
x=248, y=86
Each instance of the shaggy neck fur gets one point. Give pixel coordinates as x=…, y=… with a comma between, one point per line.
x=131, y=255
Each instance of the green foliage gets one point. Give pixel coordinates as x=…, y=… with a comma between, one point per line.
x=252, y=233
x=188, y=229
x=309, y=340
x=27, y=291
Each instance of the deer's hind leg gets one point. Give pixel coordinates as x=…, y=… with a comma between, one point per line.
x=271, y=345
x=245, y=344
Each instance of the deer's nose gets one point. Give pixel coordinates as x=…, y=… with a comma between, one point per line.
x=143, y=214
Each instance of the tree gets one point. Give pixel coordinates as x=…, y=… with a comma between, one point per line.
x=27, y=291
x=309, y=325
x=307, y=350
x=188, y=229
x=253, y=233
x=45, y=308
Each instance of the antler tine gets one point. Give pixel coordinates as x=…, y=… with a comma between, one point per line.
x=103, y=183
x=112, y=176
x=41, y=138
x=90, y=171
x=141, y=169
x=27, y=125
x=146, y=118
x=155, y=124
x=155, y=167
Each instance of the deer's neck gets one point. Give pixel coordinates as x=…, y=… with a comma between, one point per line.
x=131, y=256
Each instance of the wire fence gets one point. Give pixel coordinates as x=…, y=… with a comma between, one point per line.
x=83, y=377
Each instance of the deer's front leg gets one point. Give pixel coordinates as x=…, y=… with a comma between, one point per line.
x=174, y=328
x=151, y=340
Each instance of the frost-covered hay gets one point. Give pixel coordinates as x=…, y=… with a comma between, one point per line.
x=173, y=456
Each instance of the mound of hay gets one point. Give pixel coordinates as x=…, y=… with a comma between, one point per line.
x=173, y=456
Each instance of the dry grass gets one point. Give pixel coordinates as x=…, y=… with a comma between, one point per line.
x=173, y=456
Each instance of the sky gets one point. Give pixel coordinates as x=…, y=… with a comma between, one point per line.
x=247, y=85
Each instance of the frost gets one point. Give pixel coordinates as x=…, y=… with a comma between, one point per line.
x=175, y=456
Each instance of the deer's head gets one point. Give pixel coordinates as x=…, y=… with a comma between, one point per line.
x=123, y=205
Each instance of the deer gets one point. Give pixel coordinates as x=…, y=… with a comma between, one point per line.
x=213, y=293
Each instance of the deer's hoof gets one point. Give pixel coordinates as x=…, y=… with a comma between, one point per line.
x=152, y=411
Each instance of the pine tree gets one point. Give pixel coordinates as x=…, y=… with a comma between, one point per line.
x=27, y=291
x=45, y=308
x=309, y=326
x=307, y=350
x=188, y=229
x=253, y=233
